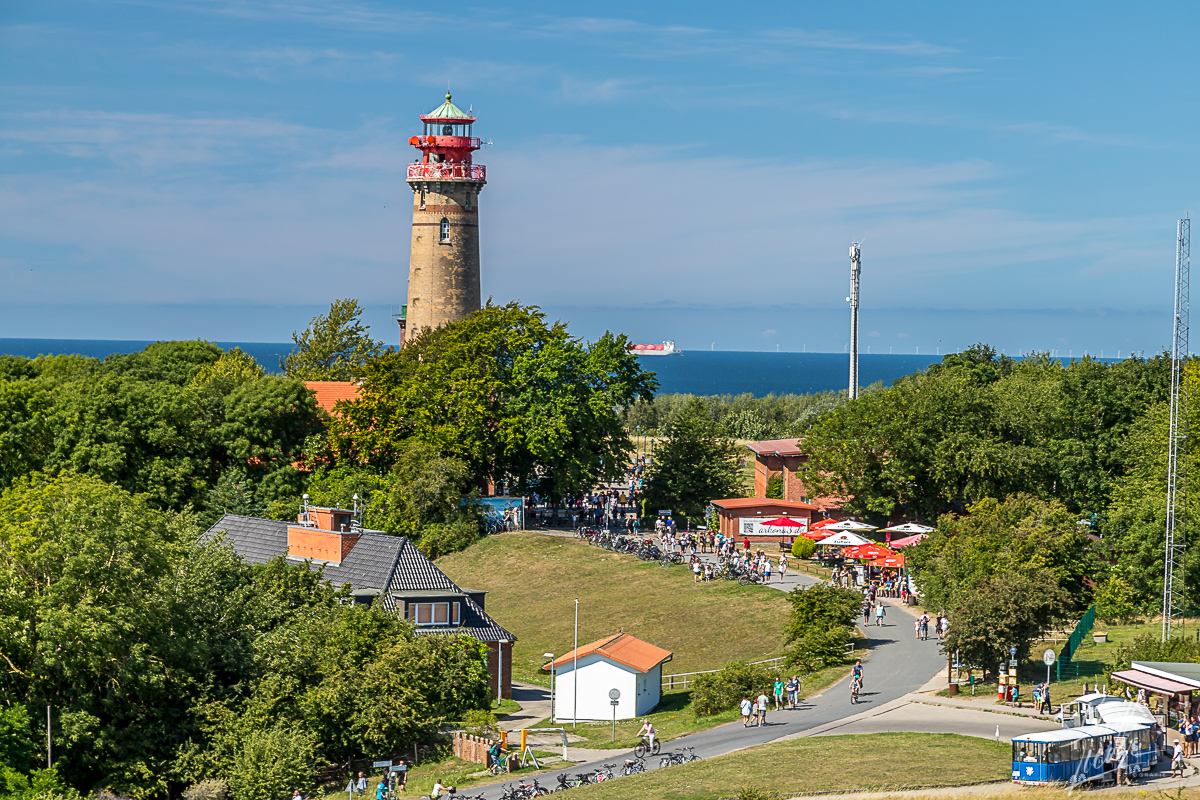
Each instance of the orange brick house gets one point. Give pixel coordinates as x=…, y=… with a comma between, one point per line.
x=784, y=457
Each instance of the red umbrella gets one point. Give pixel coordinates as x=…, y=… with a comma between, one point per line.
x=817, y=534
x=867, y=551
x=889, y=561
x=785, y=522
x=824, y=522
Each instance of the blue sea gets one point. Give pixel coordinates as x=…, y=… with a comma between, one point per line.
x=695, y=372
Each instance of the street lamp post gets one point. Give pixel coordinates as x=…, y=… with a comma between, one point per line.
x=500, y=672
x=552, y=671
x=575, y=672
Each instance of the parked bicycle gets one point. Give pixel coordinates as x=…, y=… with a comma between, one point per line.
x=633, y=766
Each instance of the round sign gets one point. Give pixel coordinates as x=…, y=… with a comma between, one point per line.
x=1012, y=651
x=614, y=694
x=1048, y=657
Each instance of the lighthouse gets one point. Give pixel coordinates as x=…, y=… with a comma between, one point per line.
x=443, y=269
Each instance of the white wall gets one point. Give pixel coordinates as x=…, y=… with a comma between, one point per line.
x=649, y=692
x=597, y=675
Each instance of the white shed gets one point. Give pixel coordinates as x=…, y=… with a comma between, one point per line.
x=621, y=662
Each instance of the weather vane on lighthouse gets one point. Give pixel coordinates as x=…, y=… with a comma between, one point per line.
x=443, y=269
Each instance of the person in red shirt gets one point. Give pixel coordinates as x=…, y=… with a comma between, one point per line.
x=746, y=544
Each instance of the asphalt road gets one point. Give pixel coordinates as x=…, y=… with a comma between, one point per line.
x=896, y=665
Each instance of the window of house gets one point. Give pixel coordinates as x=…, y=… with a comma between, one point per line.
x=422, y=199
x=434, y=613
x=445, y=229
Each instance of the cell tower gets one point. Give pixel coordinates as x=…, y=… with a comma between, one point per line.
x=855, y=271
x=1177, y=443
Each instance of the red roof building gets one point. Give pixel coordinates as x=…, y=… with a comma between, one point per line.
x=585, y=678
x=785, y=458
x=329, y=393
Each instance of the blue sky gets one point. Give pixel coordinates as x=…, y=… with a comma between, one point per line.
x=693, y=171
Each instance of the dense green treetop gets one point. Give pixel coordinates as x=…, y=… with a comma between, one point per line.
x=696, y=463
x=334, y=347
x=978, y=426
x=505, y=392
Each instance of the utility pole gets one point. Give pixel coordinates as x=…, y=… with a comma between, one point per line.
x=1177, y=443
x=855, y=270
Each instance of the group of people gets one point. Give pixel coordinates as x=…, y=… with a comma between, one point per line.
x=888, y=582
x=392, y=784
x=941, y=626
x=786, y=693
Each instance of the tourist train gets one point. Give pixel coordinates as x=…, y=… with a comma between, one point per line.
x=1084, y=754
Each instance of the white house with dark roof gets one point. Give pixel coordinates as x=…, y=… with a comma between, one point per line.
x=378, y=567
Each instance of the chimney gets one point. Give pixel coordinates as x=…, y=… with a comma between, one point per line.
x=321, y=534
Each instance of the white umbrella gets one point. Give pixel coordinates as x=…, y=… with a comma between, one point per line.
x=849, y=525
x=845, y=539
x=909, y=527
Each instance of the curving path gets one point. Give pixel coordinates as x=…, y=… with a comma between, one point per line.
x=896, y=665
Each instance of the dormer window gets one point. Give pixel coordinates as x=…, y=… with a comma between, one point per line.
x=445, y=230
x=433, y=614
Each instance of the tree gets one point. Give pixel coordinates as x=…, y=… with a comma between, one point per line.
x=336, y=347
x=506, y=393
x=820, y=626
x=695, y=464
x=1019, y=536
x=1002, y=611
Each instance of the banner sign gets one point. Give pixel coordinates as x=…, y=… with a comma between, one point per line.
x=753, y=526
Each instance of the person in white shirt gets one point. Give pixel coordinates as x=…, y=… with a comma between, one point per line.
x=1177, y=759
x=762, y=709
x=747, y=708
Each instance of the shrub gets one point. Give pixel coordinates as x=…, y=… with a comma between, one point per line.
x=211, y=789
x=803, y=548
x=272, y=764
x=722, y=690
x=754, y=793
x=775, y=486
x=480, y=722
x=1114, y=601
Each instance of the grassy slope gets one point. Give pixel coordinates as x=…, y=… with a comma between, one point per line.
x=533, y=581
x=822, y=764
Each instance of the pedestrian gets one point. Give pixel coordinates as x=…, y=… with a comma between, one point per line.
x=866, y=609
x=783, y=565
x=296, y=795
x=778, y=687
x=917, y=628
x=1177, y=759
x=793, y=692
x=696, y=571
x=766, y=570
x=762, y=709
x=1122, y=760
x=381, y=791
x=401, y=775
x=857, y=672
x=360, y=785
x=1046, y=709
x=746, y=543
x=439, y=789
x=747, y=706
x=879, y=612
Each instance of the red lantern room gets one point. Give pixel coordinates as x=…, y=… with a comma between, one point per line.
x=446, y=146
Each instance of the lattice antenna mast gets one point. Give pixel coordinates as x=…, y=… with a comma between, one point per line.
x=1177, y=444
x=855, y=271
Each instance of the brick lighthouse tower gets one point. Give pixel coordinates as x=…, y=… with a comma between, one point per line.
x=443, y=270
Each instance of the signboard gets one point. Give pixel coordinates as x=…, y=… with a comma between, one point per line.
x=382, y=764
x=753, y=526
x=1012, y=651
x=499, y=510
x=614, y=694
x=1012, y=662
x=1048, y=658
x=664, y=512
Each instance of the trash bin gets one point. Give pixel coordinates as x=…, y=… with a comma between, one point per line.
x=912, y=599
x=953, y=689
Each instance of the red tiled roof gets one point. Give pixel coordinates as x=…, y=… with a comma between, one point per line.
x=621, y=648
x=776, y=447
x=750, y=502
x=328, y=393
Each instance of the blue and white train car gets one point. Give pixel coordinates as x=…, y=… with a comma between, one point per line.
x=1084, y=754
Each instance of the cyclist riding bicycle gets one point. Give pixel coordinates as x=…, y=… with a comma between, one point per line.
x=647, y=731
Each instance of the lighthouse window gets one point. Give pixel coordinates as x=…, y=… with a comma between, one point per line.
x=422, y=199
x=445, y=229
x=447, y=130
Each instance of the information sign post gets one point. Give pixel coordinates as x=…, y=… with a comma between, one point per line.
x=1048, y=658
x=614, y=698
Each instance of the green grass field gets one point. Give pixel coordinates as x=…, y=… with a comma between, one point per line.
x=875, y=762
x=533, y=581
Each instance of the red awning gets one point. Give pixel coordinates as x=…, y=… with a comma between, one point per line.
x=1152, y=683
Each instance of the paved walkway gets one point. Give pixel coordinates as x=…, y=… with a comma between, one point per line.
x=896, y=665
x=535, y=707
